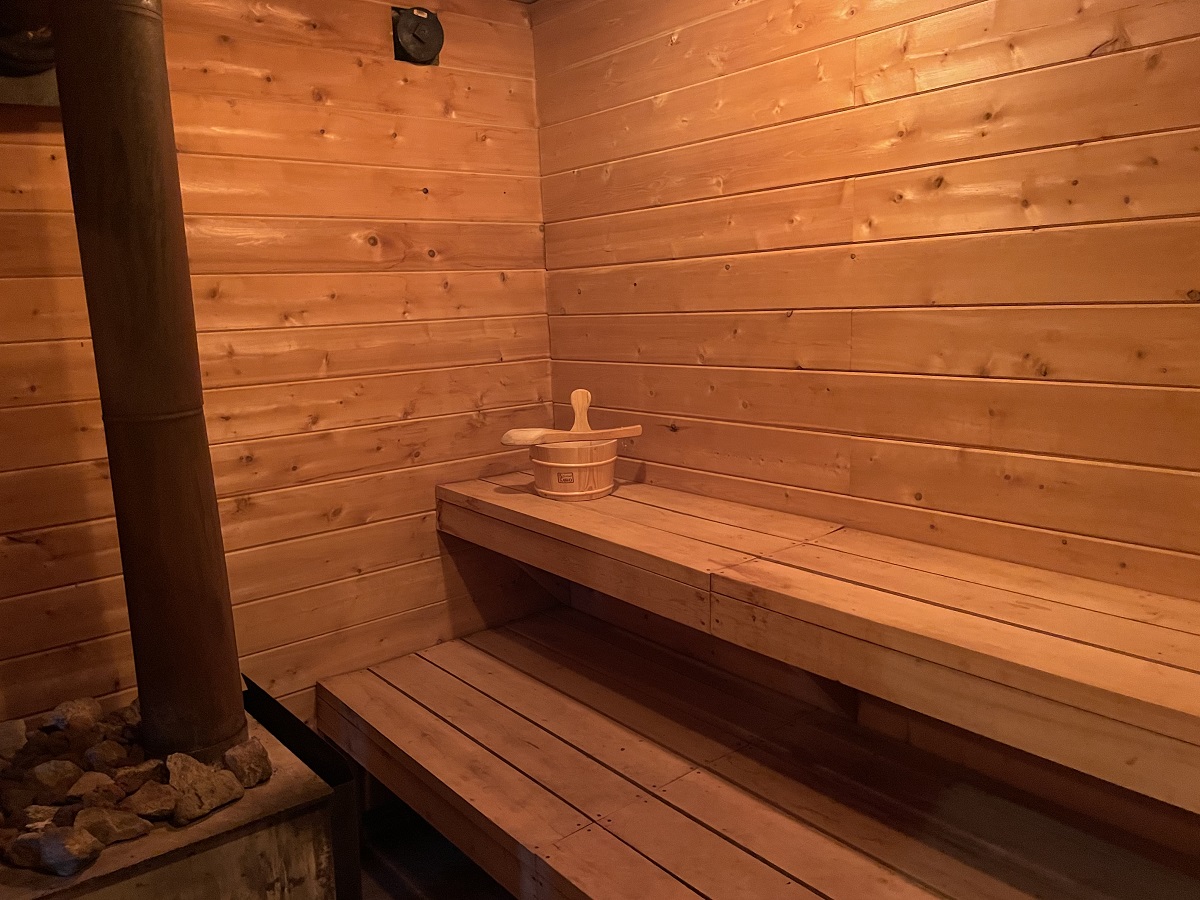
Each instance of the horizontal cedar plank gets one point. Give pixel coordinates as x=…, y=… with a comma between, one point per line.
x=1112, y=180
x=91, y=609
x=783, y=91
x=1136, y=567
x=41, y=309
x=1042, y=492
x=546, y=10
x=39, y=681
x=575, y=31
x=83, y=612
x=72, y=432
x=488, y=10
x=746, y=36
x=1131, y=345
x=1132, y=757
x=64, y=617
x=1120, y=179
x=1119, y=262
x=41, y=372
x=1166, y=611
x=323, y=558
x=299, y=615
x=53, y=495
x=679, y=556
x=293, y=667
x=804, y=340
x=34, y=309
x=54, y=371
x=75, y=492
x=662, y=595
x=307, y=458
x=800, y=458
x=48, y=558
x=221, y=185
x=1106, y=422
x=1128, y=634
x=216, y=65
x=1126, y=689
x=41, y=559
x=1128, y=93
x=988, y=39
x=255, y=357
x=242, y=413
x=45, y=244
x=1144, y=504
x=812, y=83
x=226, y=302
x=797, y=217
x=261, y=517
x=265, y=128
x=230, y=244
x=354, y=26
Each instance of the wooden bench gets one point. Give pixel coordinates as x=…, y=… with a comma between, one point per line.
x=573, y=759
x=1101, y=678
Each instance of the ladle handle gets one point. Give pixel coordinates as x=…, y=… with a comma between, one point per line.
x=580, y=401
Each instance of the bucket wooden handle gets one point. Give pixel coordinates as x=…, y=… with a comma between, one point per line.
x=580, y=401
x=528, y=437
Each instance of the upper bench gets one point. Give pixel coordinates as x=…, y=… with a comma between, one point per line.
x=1099, y=677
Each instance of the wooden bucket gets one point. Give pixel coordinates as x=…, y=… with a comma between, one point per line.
x=577, y=470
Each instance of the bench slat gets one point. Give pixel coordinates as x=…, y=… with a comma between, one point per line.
x=674, y=556
x=1177, y=613
x=463, y=774
x=616, y=505
x=768, y=521
x=1156, y=697
x=589, y=787
x=1132, y=637
x=502, y=819
x=667, y=597
x=1145, y=761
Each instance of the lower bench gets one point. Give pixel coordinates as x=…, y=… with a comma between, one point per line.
x=1102, y=678
x=572, y=759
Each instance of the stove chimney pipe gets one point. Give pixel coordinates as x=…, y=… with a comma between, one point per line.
x=116, y=112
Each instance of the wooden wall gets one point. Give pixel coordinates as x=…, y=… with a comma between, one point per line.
x=930, y=267
x=369, y=282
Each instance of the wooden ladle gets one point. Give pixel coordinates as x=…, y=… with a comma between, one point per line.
x=582, y=430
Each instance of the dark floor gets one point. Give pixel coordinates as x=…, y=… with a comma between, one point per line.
x=404, y=858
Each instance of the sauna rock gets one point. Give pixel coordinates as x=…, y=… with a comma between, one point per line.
x=76, y=779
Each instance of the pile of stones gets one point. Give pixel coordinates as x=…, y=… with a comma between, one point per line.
x=75, y=780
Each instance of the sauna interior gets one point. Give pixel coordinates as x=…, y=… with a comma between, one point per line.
x=896, y=593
